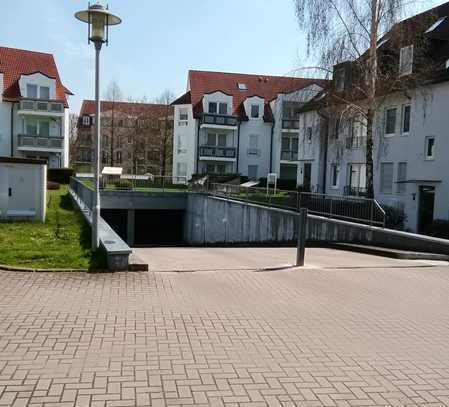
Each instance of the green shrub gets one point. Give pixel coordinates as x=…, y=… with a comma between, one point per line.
x=440, y=228
x=53, y=186
x=60, y=175
x=395, y=217
x=123, y=184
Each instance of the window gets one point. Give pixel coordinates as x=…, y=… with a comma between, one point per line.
x=118, y=157
x=386, y=178
x=211, y=137
x=405, y=119
x=223, y=108
x=309, y=134
x=31, y=127
x=130, y=140
x=213, y=107
x=254, y=111
x=339, y=77
x=242, y=86
x=335, y=172
x=402, y=176
x=44, y=129
x=430, y=148
x=221, y=168
x=406, y=60
x=32, y=91
x=252, y=171
x=44, y=93
x=337, y=128
x=86, y=120
x=183, y=114
x=181, y=169
x=390, y=121
x=222, y=140
x=253, y=141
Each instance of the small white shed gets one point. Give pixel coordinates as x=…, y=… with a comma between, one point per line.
x=23, y=188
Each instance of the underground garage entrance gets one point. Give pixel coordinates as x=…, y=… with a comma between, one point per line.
x=147, y=227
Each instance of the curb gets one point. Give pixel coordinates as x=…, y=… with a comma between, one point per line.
x=32, y=270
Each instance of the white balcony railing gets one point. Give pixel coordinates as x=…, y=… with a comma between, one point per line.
x=37, y=142
x=42, y=106
x=222, y=152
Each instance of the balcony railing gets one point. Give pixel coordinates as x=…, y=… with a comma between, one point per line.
x=354, y=143
x=253, y=151
x=223, y=152
x=41, y=106
x=355, y=191
x=289, y=155
x=40, y=141
x=219, y=119
x=290, y=124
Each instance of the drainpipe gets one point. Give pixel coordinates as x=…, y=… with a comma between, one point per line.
x=12, y=129
x=238, y=148
x=326, y=143
x=271, y=146
x=197, y=146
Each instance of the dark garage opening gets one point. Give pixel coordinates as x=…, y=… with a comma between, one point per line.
x=117, y=219
x=158, y=227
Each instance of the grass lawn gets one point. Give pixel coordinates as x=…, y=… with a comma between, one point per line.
x=63, y=241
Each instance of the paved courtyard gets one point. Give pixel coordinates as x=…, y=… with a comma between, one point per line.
x=315, y=337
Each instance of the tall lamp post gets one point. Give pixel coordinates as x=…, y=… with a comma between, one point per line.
x=98, y=19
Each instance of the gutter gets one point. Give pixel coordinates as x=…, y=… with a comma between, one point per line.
x=271, y=146
x=326, y=144
x=238, y=148
x=197, y=145
x=12, y=129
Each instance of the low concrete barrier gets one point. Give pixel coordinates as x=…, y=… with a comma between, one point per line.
x=117, y=251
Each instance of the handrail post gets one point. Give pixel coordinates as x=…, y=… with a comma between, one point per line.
x=371, y=214
x=302, y=236
x=330, y=209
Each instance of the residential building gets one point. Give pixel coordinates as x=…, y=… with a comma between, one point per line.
x=230, y=123
x=135, y=136
x=411, y=169
x=33, y=107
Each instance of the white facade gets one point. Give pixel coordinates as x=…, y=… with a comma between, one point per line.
x=37, y=126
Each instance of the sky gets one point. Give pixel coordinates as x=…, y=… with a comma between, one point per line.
x=159, y=41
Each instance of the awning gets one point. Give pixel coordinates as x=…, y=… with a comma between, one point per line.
x=112, y=171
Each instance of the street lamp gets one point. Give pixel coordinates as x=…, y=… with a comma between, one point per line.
x=98, y=19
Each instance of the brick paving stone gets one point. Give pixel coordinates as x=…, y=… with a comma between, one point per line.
x=321, y=337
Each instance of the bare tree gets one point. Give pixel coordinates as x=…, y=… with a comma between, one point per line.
x=339, y=31
x=165, y=98
x=113, y=94
x=73, y=137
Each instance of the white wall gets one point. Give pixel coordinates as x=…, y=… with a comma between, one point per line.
x=5, y=129
x=218, y=97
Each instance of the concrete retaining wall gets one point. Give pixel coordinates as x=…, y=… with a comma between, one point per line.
x=211, y=220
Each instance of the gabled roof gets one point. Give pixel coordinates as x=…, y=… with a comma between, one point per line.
x=132, y=108
x=17, y=62
x=265, y=86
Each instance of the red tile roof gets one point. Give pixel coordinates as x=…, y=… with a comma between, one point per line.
x=265, y=86
x=16, y=62
x=152, y=109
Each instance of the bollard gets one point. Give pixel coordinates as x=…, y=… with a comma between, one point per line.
x=302, y=235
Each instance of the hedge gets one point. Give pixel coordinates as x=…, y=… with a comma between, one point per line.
x=60, y=175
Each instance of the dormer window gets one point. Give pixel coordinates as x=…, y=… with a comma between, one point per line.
x=44, y=92
x=406, y=60
x=213, y=107
x=32, y=91
x=242, y=86
x=86, y=120
x=255, y=111
x=223, y=108
x=218, y=108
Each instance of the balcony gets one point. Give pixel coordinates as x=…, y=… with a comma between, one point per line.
x=218, y=152
x=40, y=143
x=289, y=155
x=218, y=120
x=354, y=191
x=355, y=143
x=290, y=124
x=41, y=107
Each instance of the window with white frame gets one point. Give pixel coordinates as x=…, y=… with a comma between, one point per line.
x=86, y=120
x=31, y=91
x=183, y=114
x=254, y=111
x=181, y=169
x=253, y=141
x=242, y=86
x=252, y=171
x=406, y=110
x=309, y=134
x=212, y=107
x=430, y=148
x=216, y=140
x=386, y=178
x=401, y=178
x=223, y=108
x=406, y=60
x=44, y=92
x=335, y=175
x=390, y=121
x=37, y=127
